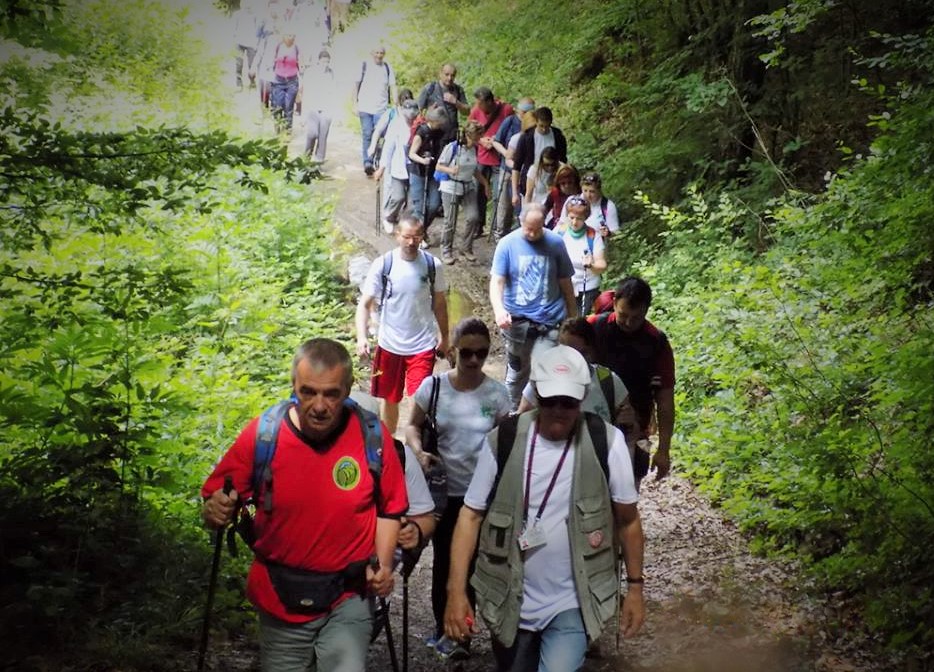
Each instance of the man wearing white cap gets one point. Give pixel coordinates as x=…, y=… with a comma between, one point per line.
x=552, y=498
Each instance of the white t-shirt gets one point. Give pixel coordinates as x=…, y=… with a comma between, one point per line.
x=463, y=420
x=548, y=586
x=541, y=184
x=542, y=140
x=466, y=162
x=407, y=323
x=596, y=218
x=595, y=401
x=576, y=248
x=373, y=96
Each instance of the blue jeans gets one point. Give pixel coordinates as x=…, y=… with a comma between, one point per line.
x=336, y=642
x=284, y=91
x=560, y=647
x=417, y=197
x=367, y=124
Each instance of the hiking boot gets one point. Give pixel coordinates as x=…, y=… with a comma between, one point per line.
x=469, y=256
x=447, y=259
x=448, y=649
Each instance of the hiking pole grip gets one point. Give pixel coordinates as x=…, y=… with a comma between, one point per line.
x=212, y=585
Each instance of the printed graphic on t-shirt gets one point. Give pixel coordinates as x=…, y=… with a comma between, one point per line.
x=346, y=473
x=533, y=279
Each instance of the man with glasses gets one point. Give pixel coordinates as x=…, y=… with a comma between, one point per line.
x=408, y=287
x=531, y=293
x=551, y=500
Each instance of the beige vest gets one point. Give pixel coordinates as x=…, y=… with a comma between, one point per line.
x=498, y=576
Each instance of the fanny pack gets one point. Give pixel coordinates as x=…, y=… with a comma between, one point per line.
x=304, y=591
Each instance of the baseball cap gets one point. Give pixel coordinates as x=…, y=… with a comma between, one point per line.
x=561, y=372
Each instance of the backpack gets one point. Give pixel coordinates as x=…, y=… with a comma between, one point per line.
x=363, y=74
x=506, y=437
x=267, y=433
x=387, y=266
x=440, y=176
x=605, y=376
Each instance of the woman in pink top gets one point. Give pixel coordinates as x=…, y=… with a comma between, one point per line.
x=285, y=84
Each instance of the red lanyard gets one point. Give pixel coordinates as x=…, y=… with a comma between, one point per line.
x=554, y=476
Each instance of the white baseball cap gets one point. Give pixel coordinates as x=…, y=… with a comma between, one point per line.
x=561, y=372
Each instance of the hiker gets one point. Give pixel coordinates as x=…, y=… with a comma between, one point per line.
x=641, y=355
x=268, y=37
x=540, y=178
x=604, y=216
x=530, y=146
x=467, y=405
x=409, y=287
x=567, y=183
x=245, y=27
x=338, y=12
x=286, y=68
x=461, y=172
x=449, y=95
x=586, y=250
x=549, y=503
x=489, y=112
x=374, y=90
x=395, y=154
x=505, y=145
x=318, y=94
x=425, y=147
x=330, y=515
x=531, y=293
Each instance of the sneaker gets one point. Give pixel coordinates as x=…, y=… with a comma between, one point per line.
x=387, y=226
x=432, y=641
x=469, y=256
x=447, y=259
x=368, y=169
x=448, y=649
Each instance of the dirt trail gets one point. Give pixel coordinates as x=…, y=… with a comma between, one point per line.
x=711, y=604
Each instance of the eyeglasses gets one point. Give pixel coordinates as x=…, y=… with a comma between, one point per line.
x=468, y=353
x=567, y=403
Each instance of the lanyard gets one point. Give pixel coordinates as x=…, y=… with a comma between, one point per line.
x=551, y=484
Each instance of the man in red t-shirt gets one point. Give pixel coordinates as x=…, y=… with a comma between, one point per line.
x=489, y=112
x=329, y=517
x=639, y=353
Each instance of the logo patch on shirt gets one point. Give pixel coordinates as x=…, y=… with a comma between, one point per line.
x=346, y=473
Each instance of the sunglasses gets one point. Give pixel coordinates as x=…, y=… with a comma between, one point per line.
x=590, y=179
x=576, y=200
x=468, y=353
x=567, y=403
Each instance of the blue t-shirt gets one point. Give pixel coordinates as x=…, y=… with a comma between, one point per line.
x=532, y=271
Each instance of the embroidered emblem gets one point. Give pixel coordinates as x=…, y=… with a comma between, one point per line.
x=595, y=538
x=346, y=473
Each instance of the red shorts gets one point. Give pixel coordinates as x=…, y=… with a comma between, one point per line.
x=390, y=370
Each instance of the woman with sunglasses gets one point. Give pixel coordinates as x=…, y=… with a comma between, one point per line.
x=541, y=176
x=469, y=404
x=586, y=249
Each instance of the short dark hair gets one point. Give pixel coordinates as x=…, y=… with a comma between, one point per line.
x=635, y=290
x=543, y=114
x=470, y=326
x=324, y=353
x=483, y=93
x=580, y=327
x=404, y=95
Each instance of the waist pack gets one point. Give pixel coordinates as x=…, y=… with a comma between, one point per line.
x=303, y=591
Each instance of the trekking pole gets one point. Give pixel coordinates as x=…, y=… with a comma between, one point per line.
x=425, y=202
x=390, y=644
x=497, y=196
x=583, y=291
x=379, y=203
x=215, y=565
x=408, y=564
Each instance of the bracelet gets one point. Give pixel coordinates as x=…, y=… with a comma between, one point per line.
x=638, y=579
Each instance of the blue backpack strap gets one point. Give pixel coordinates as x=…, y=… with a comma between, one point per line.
x=591, y=234
x=267, y=433
x=372, y=441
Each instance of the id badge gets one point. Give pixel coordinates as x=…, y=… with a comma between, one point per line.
x=531, y=537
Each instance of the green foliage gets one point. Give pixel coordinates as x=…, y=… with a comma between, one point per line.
x=154, y=282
